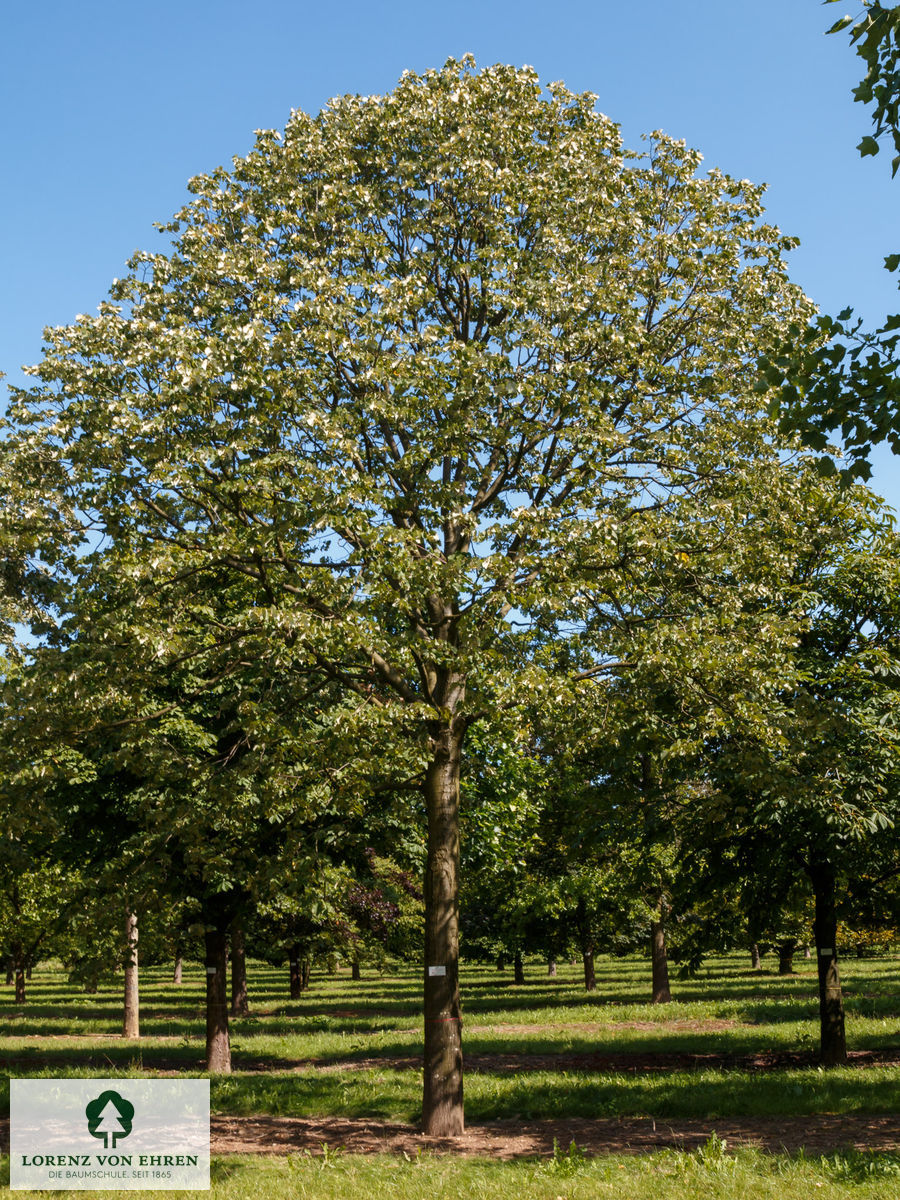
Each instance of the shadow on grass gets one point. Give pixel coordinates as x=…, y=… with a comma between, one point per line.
x=126, y=1055
x=221, y=1170
x=395, y=1095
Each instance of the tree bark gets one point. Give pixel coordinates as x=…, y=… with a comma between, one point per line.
x=304, y=973
x=218, y=1042
x=518, y=968
x=832, y=1035
x=28, y=968
x=501, y=962
x=10, y=970
x=590, y=975
x=20, y=978
x=355, y=972
x=587, y=945
x=131, y=1015
x=240, y=1005
x=786, y=956
x=296, y=978
x=442, y=1098
x=179, y=968
x=551, y=965
x=755, y=957
x=660, y=962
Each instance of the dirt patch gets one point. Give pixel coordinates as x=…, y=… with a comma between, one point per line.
x=713, y=1025
x=517, y=1139
x=617, y=1064
x=316, y=1013
x=92, y=1037
x=512, y=1139
x=511, y=1062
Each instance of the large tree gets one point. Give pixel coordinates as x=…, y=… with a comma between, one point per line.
x=420, y=368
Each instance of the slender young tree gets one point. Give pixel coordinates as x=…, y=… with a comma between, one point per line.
x=131, y=1019
x=240, y=1003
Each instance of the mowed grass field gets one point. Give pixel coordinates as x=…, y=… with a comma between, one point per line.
x=733, y=1043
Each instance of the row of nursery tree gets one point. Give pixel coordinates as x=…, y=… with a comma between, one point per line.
x=415, y=533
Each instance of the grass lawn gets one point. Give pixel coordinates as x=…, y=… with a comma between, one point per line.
x=670, y=1175
x=732, y=1044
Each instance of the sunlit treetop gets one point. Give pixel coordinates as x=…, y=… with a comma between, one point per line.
x=415, y=363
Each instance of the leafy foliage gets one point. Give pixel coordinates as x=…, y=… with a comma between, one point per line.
x=833, y=377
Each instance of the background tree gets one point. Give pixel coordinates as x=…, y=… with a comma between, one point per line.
x=822, y=792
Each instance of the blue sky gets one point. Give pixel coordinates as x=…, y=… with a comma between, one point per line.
x=109, y=107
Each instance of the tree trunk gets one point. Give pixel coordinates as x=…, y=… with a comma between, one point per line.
x=832, y=1036
x=660, y=962
x=551, y=965
x=20, y=979
x=755, y=957
x=587, y=945
x=501, y=962
x=240, y=1006
x=518, y=968
x=28, y=966
x=442, y=1097
x=860, y=950
x=10, y=970
x=218, y=1043
x=179, y=968
x=131, y=1017
x=786, y=956
x=355, y=972
x=590, y=976
x=304, y=973
x=296, y=978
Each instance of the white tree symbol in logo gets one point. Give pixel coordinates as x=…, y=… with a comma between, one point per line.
x=109, y=1116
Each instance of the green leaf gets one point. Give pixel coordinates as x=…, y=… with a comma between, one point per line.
x=826, y=466
x=867, y=146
